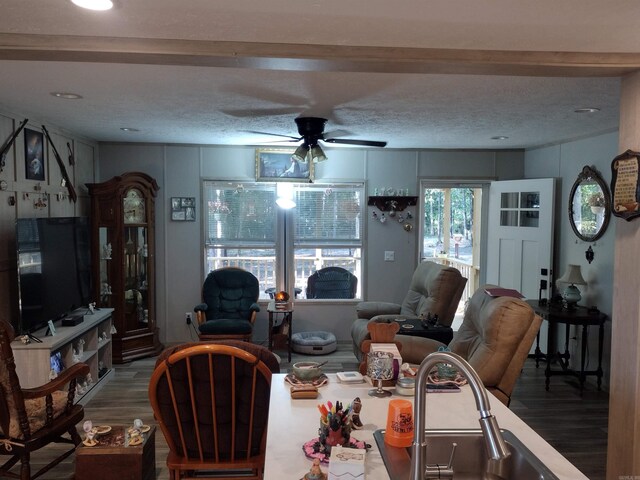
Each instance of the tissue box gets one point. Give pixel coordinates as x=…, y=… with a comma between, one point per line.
x=346, y=463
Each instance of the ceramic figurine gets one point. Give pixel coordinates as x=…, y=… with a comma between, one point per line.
x=356, y=406
x=315, y=473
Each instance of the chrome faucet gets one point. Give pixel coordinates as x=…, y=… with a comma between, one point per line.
x=496, y=447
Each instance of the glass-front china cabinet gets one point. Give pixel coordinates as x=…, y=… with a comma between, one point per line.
x=123, y=249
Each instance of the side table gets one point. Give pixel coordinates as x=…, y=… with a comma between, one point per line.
x=280, y=325
x=113, y=458
x=582, y=316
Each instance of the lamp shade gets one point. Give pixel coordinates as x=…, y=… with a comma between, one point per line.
x=572, y=275
x=317, y=154
x=300, y=154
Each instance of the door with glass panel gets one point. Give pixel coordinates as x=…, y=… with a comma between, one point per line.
x=520, y=235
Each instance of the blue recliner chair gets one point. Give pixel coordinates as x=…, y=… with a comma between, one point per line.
x=229, y=307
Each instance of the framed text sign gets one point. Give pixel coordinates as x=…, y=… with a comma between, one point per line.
x=625, y=189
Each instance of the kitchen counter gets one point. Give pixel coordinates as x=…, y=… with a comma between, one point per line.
x=294, y=422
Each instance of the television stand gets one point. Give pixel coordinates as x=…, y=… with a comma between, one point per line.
x=34, y=338
x=33, y=360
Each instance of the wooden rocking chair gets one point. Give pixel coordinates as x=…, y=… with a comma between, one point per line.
x=212, y=402
x=32, y=418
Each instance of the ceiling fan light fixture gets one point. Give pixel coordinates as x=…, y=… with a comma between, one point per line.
x=300, y=154
x=317, y=155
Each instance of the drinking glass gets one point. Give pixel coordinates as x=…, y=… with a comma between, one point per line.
x=379, y=368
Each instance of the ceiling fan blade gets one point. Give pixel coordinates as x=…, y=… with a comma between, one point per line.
x=260, y=112
x=336, y=133
x=364, y=143
x=297, y=139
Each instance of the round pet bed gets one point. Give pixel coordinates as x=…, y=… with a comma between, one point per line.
x=314, y=343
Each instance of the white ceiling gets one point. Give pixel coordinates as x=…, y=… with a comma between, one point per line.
x=416, y=73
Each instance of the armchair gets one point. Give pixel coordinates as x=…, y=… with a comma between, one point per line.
x=434, y=289
x=229, y=305
x=211, y=401
x=332, y=282
x=35, y=417
x=495, y=338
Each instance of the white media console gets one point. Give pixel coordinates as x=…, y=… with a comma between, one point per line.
x=33, y=360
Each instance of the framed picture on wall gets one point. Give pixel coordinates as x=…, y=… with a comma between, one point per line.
x=33, y=154
x=625, y=185
x=278, y=165
x=183, y=209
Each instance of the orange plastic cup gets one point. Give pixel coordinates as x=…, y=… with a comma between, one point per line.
x=399, y=432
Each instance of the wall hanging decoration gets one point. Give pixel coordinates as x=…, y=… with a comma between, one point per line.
x=33, y=154
x=624, y=185
x=281, y=165
x=183, y=209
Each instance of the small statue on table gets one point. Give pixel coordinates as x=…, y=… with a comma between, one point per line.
x=315, y=473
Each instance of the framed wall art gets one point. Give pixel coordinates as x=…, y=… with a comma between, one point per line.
x=33, y=154
x=625, y=187
x=183, y=209
x=278, y=165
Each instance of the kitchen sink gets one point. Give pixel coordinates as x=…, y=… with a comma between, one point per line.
x=470, y=459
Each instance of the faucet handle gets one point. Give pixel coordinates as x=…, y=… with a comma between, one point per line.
x=454, y=445
x=438, y=471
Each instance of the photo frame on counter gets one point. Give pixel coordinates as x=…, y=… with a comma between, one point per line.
x=33, y=154
x=183, y=209
x=278, y=165
x=625, y=185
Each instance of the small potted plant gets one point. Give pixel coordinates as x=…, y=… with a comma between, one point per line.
x=596, y=202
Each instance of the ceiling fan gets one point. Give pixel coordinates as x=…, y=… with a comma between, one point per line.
x=311, y=130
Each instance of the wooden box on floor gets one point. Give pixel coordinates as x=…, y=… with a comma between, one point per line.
x=111, y=459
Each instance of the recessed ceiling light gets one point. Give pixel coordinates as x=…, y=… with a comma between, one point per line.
x=499, y=137
x=66, y=95
x=94, y=4
x=587, y=110
x=129, y=129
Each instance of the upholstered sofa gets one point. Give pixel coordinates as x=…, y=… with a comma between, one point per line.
x=435, y=289
x=495, y=338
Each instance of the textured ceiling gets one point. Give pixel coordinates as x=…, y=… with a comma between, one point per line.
x=188, y=72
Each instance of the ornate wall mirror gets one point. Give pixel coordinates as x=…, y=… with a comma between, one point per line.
x=589, y=205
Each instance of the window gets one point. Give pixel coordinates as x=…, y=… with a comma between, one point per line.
x=244, y=228
x=240, y=229
x=327, y=230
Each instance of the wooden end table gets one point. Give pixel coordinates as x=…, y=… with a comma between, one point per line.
x=113, y=458
x=580, y=316
x=280, y=325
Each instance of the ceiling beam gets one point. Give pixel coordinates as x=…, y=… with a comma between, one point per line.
x=301, y=57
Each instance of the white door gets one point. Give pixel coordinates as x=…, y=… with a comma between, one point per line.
x=520, y=236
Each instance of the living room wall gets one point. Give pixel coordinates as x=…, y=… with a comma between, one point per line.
x=179, y=170
x=565, y=161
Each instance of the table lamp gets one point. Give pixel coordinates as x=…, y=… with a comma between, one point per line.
x=572, y=276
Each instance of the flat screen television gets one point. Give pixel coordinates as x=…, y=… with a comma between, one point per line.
x=54, y=269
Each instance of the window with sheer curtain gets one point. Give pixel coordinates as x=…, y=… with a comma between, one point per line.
x=242, y=229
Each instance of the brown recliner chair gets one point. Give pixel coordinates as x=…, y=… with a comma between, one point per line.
x=435, y=289
x=495, y=338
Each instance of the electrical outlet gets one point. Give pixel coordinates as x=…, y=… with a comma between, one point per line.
x=389, y=256
x=187, y=317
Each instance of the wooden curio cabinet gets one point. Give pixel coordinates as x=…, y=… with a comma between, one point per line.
x=123, y=249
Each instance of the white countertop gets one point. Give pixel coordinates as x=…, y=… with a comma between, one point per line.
x=294, y=422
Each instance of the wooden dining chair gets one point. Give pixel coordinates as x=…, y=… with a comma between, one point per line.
x=33, y=418
x=211, y=402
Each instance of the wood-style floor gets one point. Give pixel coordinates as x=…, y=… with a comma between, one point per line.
x=576, y=425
